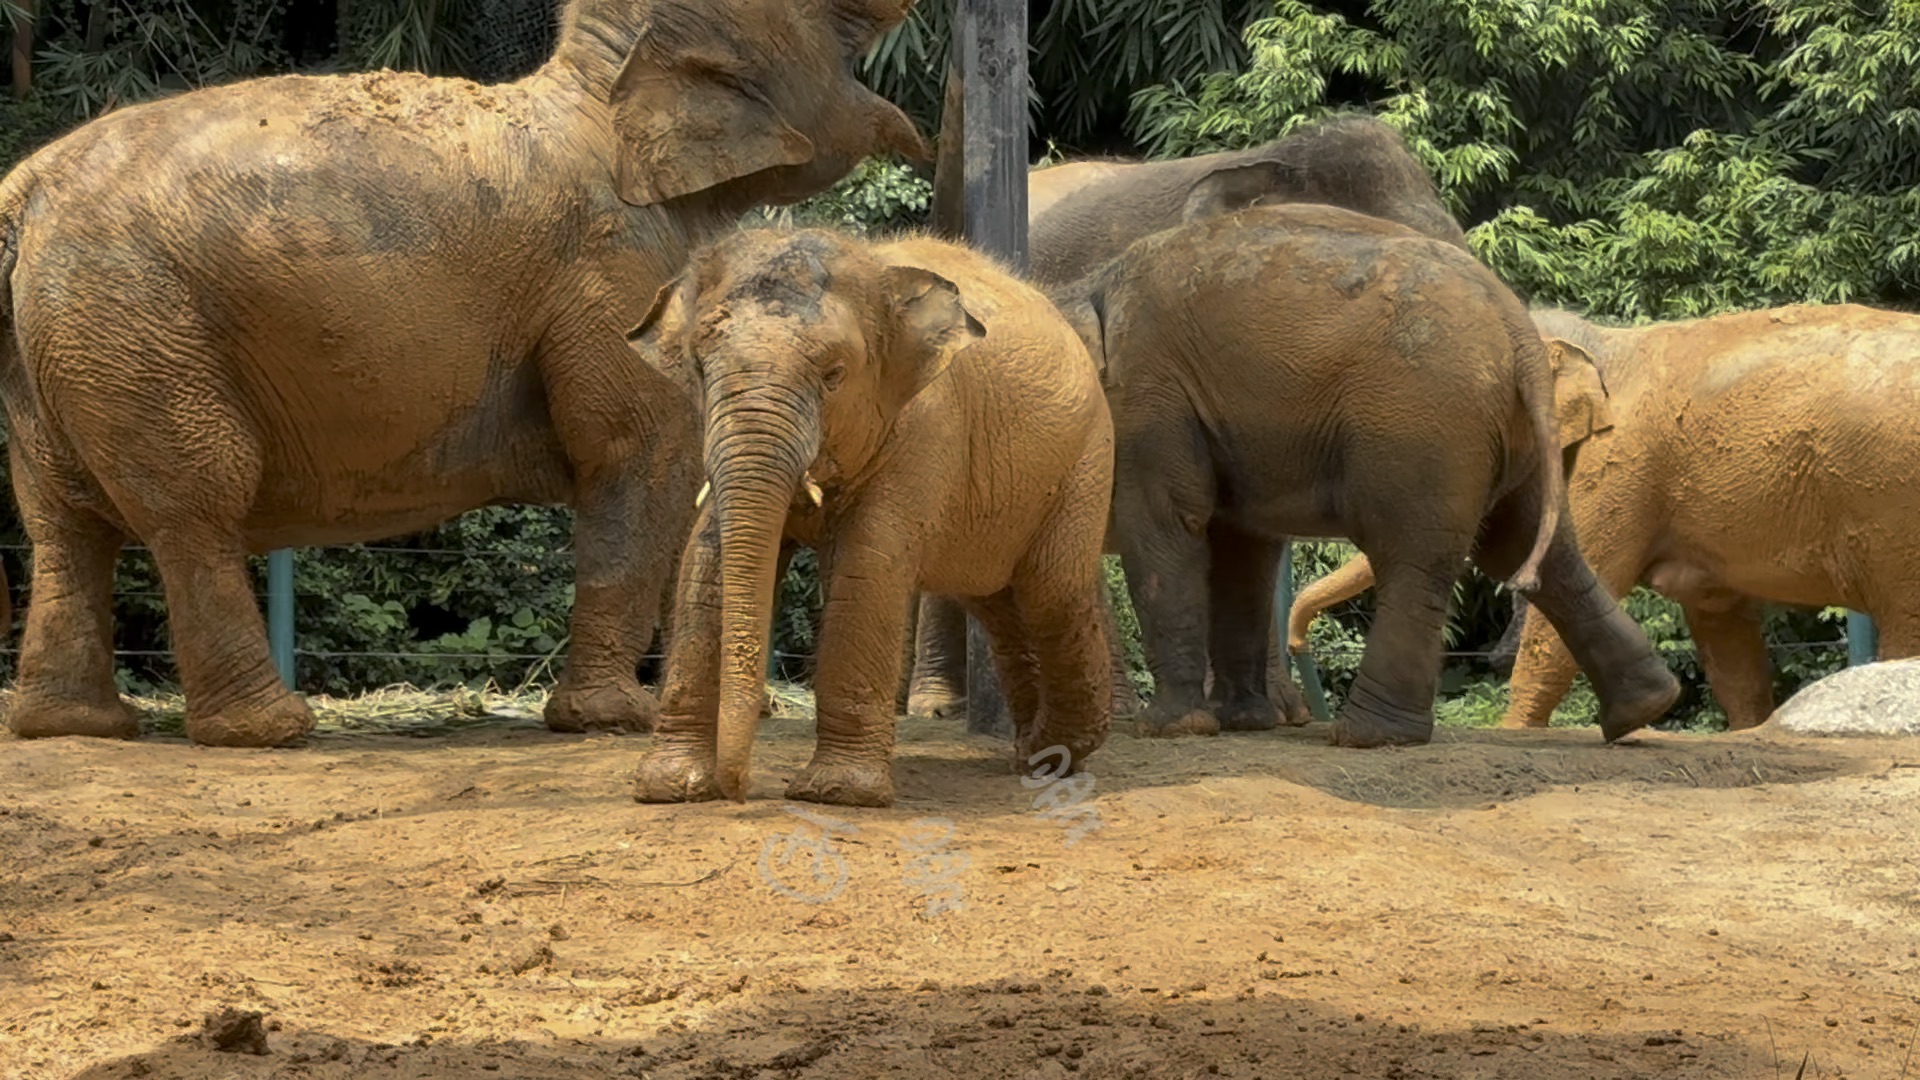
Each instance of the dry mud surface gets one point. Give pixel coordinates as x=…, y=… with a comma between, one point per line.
x=491, y=903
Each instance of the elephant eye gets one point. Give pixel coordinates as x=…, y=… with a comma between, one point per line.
x=834, y=376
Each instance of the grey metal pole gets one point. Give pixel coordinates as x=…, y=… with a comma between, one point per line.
x=991, y=39
x=280, y=611
x=1307, y=667
x=1863, y=641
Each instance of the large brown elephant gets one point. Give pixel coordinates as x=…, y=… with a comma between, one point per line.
x=1082, y=213
x=1309, y=371
x=315, y=310
x=1755, y=457
x=925, y=421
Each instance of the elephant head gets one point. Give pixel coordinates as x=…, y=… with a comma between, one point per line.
x=757, y=96
x=802, y=348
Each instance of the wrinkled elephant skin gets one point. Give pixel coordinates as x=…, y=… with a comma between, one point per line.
x=1082, y=213
x=1748, y=462
x=1310, y=371
x=318, y=310
x=924, y=421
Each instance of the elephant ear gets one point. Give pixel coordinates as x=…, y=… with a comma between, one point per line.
x=1580, y=402
x=1086, y=313
x=660, y=336
x=1231, y=188
x=930, y=326
x=690, y=122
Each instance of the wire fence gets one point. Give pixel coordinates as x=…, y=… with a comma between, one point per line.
x=787, y=663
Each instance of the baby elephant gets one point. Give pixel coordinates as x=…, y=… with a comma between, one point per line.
x=1303, y=370
x=924, y=421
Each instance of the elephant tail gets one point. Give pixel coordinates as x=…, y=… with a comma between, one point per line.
x=1535, y=372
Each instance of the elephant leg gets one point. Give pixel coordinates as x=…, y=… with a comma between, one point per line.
x=1391, y=703
x=1240, y=602
x=1733, y=653
x=1285, y=694
x=1126, y=703
x=1058, y=588
x=857, y=670
x=1161, y=506
x=680, y=766
x=65, y=684
x=1633, y=685
x=636, y=473
x=1506, y=651
x=939, y=686
x=1014, y=660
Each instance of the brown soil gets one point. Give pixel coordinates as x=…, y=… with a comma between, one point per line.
x=490, y=902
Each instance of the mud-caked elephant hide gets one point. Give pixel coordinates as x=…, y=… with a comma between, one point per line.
x=1309, y=371
x=1755, y=457
x=925, y=421
x=319, y=310
x=1082, y=213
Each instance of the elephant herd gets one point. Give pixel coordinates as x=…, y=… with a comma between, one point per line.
x=316, y=310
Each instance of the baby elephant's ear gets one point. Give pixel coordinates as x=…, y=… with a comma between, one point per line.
x=660, y=337
x=1580, y=400
x=930, y=322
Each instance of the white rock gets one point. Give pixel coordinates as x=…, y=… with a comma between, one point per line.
x=1876, y=699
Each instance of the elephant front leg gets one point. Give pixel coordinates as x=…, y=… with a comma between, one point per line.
x=1733, y=653
x=1633, y=684
x=1165, y=555
x=939, y=686
x=857, y=669
x=680, y=766
x=1240, y=585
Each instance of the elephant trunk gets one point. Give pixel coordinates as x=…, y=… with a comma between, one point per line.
x=759, y=446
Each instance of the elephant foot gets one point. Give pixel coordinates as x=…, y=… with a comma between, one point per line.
x=675, y=776
x=1516, y=723
x=277, y=721
x=1048, y=754
x=853, y=784
x=1638, y=700
x=936, y=698
x=1366, y=730
x=1167, y=725
x=1126, y=705
x=615, y=706
x=1291, y=705
x=1255, y=715
x=31, y=718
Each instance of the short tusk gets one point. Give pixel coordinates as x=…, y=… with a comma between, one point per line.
x=814, y=496
x=700, y=500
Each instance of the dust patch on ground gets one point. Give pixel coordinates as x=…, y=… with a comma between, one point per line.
x=487, y=899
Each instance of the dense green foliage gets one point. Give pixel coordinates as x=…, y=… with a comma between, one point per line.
x=1633, y=158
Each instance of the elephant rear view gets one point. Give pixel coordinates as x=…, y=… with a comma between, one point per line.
x=1305, y=370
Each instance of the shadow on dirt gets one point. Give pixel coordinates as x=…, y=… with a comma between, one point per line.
x=1008, y=1029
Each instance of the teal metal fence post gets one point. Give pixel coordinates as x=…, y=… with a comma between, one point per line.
x=280, y=611
x=1307, y=667
x=1863, y=641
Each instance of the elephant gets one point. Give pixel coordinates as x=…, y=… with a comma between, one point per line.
x=1759, y=456
x=1306, y=370
x=311, y=310
x=922, y=419
x=1080, y=214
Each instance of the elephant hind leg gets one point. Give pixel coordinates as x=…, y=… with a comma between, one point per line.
x=1391, y=703
x=1733, y=653
x=1014, y=659
x=65, y=684
x=193, y=521
x=1633, y=684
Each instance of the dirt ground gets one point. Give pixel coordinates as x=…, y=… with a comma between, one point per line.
x=489, y=902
